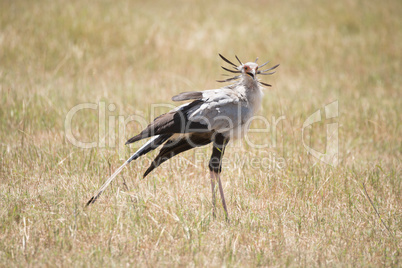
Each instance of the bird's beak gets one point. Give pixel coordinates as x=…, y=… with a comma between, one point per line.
x=252, y=73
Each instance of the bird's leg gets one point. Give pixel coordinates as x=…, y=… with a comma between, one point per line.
x=213, y=193
x=222, y=195
x=215, y=166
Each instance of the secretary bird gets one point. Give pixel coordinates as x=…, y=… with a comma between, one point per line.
x=216, y=116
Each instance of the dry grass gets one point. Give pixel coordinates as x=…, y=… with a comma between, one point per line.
x=57, y=54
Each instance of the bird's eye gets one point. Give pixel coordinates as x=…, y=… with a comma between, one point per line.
x=246, y=68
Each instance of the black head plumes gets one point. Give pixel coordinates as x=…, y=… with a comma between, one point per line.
x=237, y=70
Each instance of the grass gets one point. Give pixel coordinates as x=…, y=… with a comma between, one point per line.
x=55, y=55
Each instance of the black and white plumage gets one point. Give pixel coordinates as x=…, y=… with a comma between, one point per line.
x=213, y=116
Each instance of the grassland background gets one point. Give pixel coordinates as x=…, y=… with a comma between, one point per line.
x=57, y=54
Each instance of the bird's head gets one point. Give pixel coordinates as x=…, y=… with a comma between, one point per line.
x=247, y=71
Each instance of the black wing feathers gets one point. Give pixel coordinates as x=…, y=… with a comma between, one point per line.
x=152, y=146
x=170, y=123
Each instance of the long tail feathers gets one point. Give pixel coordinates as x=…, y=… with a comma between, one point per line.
x=93, y=198
x=147, y=147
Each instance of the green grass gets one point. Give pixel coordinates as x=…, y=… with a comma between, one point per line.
x=55, y=55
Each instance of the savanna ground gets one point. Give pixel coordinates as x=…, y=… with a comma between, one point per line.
x=55, y=55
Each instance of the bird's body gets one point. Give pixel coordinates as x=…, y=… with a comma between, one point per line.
x=227, y=110
x=216, y=116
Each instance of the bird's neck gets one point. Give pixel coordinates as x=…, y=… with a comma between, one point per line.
x=253, y=93
x=249, y=83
